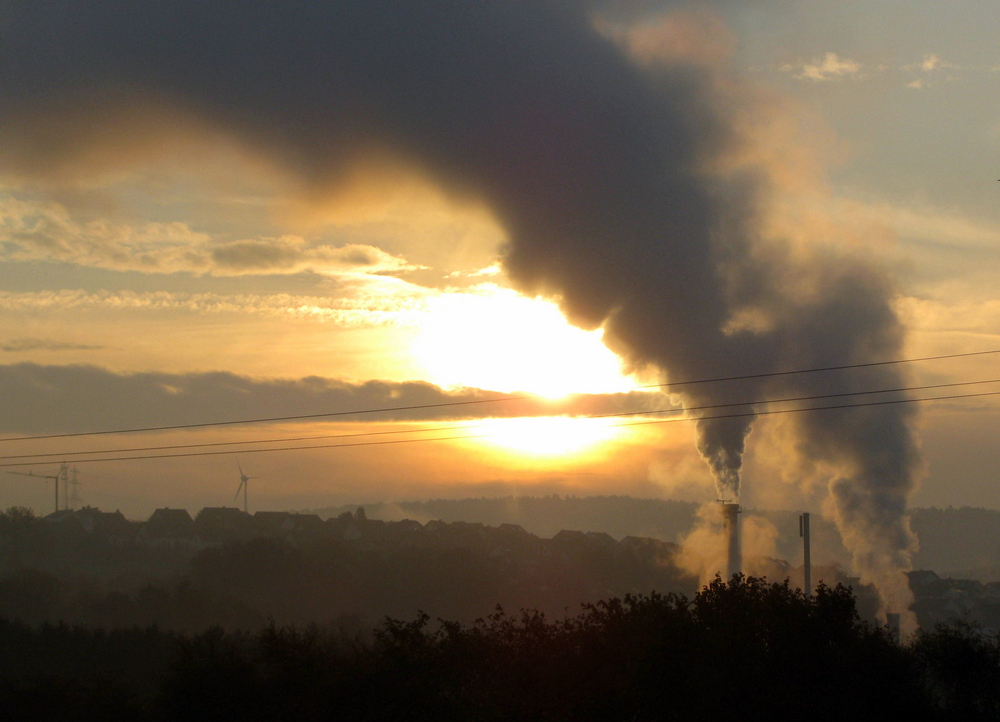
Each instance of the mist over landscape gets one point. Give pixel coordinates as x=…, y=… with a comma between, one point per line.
x=158, y=604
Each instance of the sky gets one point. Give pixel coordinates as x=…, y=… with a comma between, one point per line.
x=211, y=215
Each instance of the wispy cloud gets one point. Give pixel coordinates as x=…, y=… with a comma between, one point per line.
x=488, y=271
x=48, y=231
x=367, y=309
x=930, y=63
x=71, y=398
x=930, y=69
x=941, y=228
x=362, y=301
x=978, y=320
x=830, y=67
x=42, y=344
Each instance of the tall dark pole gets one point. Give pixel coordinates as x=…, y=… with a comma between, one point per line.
x=731, y=527
x=55, y=483
x=806, y=561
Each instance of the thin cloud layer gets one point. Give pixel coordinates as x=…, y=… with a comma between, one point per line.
x=20, y=345
x=389, y=310
x=37, y=231
x=931, y=69
x=55, y=399
x=830, y=67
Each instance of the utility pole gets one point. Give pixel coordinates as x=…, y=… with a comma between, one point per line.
x=806, y=561
x=72, y=495
x=63, y=473
x=64, y=476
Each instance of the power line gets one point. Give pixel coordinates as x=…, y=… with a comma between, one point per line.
x=844, y=367
x=515, y=397
x=772, y=412
x=706, y=407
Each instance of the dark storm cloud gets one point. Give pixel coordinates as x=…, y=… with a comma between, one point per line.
x=53, y=399
x=595, y=168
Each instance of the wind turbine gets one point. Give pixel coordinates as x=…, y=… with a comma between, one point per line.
x=55, y=479
x=243, y=487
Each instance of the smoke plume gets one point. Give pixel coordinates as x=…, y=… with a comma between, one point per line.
x=703, y=551
x=616, y=163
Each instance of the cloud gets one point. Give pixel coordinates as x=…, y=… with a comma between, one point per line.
x=46, y=230
x=931, y=62
x=488, y=271
x=929, y=67
x=54, y=399
x=831, y=67
x=288, y=254
x=41, y=344
x=945, y=229
x=978, y=321
x=384, y=305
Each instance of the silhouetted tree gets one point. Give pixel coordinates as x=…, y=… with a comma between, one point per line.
x=961, y=664
x=744, y=649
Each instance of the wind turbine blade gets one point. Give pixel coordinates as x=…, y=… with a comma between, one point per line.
x=238, y=490
x=240, y=468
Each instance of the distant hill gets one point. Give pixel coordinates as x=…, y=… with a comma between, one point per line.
x=962, y=542
x=546, y=516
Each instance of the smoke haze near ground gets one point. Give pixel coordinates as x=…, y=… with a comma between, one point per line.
x=626, y=187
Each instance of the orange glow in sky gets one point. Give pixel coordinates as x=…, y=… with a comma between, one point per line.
x=550, y=435
x=496, y=339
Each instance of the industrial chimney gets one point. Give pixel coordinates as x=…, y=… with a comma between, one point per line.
x=806, y=556
x=892, y=623
x=731, y=525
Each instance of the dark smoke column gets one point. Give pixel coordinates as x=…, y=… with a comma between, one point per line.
x=604, y=174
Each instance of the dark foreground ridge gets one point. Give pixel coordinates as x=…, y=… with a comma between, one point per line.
x=747, y=650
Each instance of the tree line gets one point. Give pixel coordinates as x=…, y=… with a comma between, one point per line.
x=742, y=649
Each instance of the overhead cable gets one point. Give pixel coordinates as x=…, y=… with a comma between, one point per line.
x=454, y=427
x=471, y=402
x=482, y=436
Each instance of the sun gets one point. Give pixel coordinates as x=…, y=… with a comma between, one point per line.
x=493, y=338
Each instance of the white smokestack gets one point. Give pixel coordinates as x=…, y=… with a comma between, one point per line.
x=731, y=524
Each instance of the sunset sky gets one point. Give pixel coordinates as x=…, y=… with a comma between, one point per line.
x=180, y=243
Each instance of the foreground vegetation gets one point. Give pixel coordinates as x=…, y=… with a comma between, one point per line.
x=739, y=650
